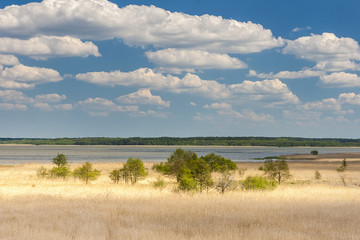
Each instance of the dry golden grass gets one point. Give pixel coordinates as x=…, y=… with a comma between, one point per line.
x=33, y=208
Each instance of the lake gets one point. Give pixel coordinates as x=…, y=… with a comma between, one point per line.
x=15, y=154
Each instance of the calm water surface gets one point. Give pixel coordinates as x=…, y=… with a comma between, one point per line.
x=16, y=154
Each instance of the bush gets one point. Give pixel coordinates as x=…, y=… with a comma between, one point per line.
x=86, y=173
x=314, y=152
x=258, y=183
x=61, y=172
x=187, y=182
x=159, y=183
x=42, y=172
x=317, y=175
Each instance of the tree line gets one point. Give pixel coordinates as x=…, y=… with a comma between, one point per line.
x=191, y=141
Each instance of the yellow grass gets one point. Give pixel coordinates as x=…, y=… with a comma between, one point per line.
x=33, y=208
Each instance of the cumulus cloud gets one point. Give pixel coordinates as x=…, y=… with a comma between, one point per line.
x=247, y=115
x=43, y=47
x=9, y=60
x=350, y=98
x=11, y=106
x=274, y=90
x=327, y=50
x=102, y=107
x=50, y=98
x=325, y=104
x=341, y=79
x=305, y=73
x=49, y=107
x=221, y=105
x=143, y=96
x=145, y=77
x=20, y=76
x=178, y=60
x=14, y=96
x=136, y=25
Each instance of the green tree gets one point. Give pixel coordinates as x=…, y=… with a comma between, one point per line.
x=61, y=172
x=86, y=172
x=218, y=163
x=133, y=170
x=278, y=170
x=187, y=182
x=60, y=160
x=176, y=162
x=62, y=168
x=201, y=172
x=226, y=181
x=115, y=175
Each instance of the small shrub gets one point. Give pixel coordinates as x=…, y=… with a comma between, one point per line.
x=60, y=172
x=314, y=152
x=159, y=183
x=242, y=171
x=258, y=183
x=261, y=168
x=317, y=175
x=225, y=182
x=42, y=172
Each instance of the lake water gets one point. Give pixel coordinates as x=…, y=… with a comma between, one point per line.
x=15, y=154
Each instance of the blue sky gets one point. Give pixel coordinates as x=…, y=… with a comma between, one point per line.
x=79, y=68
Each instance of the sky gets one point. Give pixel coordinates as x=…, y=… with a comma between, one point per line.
x=136, y=68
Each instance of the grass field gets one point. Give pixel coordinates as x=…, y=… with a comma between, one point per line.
x=302, y=208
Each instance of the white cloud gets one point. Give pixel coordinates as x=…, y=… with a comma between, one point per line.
x=101, y=19
x=341, y=79
x=143, y=96
x=327, y=50
x=247, y=114
x=50, y=98
x=11, y=106
x=299, y=29
x=43, y=47
x=178, y=60
x=331, y=104
x=305, y=73
x=274, y=90
x=350, y=98
x=14, y=96
x=48, y=107
x=20, y=76
x=9, y=60
x=145, y=77
x=221, y=105
x=102, y=107
x=152, y=113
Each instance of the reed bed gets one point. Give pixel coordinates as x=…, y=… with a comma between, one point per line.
x=33, y=208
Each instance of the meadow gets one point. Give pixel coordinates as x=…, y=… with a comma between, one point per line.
x=301, y=208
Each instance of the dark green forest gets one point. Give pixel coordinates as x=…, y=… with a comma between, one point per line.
x=192, y=141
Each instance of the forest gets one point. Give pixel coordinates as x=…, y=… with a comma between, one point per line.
x=192, y=141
